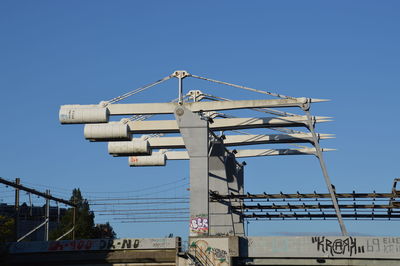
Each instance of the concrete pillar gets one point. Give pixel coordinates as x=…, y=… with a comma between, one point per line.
x=225, y=177
x=194, y=131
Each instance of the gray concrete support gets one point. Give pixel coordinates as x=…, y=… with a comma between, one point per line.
x=211, y=168
x=194, y=131
x=237, y=187
x=221, y=222
x=225, y=177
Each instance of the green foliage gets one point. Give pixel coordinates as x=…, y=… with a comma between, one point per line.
x=105, y=231
x=84, y=220
x=6, y=229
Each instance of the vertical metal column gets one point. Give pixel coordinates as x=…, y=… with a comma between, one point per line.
x=180, y=92
x=16, y=206
x=180, y=75
x=46, y=228
x=325, y=172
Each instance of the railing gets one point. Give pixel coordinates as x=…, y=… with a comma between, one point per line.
x=201, y=257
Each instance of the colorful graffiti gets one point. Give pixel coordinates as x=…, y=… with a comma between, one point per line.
x=217, y=256
x=94, y=244
x=85, y=244
x=199, y=225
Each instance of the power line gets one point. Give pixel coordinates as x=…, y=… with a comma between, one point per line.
x=137, y=198
x=141, y=213
x=140, y=203
x=146, y=218
x=137, y=210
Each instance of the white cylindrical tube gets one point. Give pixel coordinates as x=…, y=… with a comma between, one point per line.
x=113, y=131
x=158, y=159
x=129, y=148
x=77, y=114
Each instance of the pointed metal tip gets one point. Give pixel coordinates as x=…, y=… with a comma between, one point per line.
x=319, y=100
x=327, y=136
x=324, y=120
x=328, y=149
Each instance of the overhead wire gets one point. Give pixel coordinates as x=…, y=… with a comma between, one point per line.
x=139, y=210
x=137, y=199
x=242, y=87
x=130, y=93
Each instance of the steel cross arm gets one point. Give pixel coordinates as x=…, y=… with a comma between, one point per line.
x=237, y=140
x=314, y=206
x=311, y=216
x=169, y=108
x=170, y=126
x=35, y=192
x=300, y=196
x=183, y=155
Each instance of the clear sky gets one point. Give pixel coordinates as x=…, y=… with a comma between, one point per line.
x=82, y=52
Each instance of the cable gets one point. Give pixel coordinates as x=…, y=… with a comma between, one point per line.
x=137, y=198
x=263, y=110
x=126, y=95
x=154, y=221
x=139, y=203
x=145, y=218
x=139, y=190
x=137, y=210
x=142, y=213
x=243, y=87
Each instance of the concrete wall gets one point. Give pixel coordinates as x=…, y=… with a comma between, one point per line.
x=302, y=250
x=319, y=250
x=220, y=251
x=142, y=251
x=321, y=246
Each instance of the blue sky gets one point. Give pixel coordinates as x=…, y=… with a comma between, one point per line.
x=74, y=52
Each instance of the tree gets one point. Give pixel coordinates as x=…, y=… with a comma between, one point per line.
x=6, y=229
x=105, y=231
x=84, y=220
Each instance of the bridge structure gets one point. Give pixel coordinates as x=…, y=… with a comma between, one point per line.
x=206, y=136
x=204, y=132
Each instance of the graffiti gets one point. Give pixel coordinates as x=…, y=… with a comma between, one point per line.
x=70, y=245
x=217, y=256
x=349, y=246
x=158, y=243
x=94, y=244
x=119, y=244
x=199, y=225
x=338, y=246
x=385, y=245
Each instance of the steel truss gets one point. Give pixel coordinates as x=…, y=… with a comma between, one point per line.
x=315, y=206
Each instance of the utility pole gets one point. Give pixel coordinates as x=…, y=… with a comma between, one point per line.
x=16, y=216
x=17, y=185
x=73, y=219
x=47, y=217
